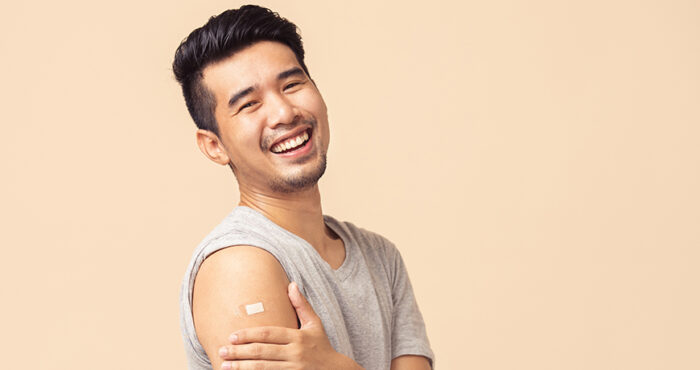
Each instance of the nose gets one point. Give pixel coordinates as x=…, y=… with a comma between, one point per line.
x=282, y=111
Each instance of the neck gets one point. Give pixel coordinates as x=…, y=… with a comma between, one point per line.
x=299, y=213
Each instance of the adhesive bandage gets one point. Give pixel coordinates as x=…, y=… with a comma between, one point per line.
x=252, y=309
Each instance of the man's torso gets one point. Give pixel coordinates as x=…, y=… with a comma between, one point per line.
x=355, y=301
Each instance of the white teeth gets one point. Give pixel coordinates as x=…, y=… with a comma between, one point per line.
x=291, y=143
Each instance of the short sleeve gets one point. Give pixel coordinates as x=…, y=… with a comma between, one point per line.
x=408, y=329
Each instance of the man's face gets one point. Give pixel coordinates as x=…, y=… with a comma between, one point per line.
x=273, y=123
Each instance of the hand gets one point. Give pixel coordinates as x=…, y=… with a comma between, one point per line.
x=272, y=347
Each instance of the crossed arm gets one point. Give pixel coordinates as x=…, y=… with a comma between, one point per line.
x=234, y=277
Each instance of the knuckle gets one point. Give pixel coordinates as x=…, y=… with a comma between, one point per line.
x=265, y=334
x=232, y=352
x=256, y=350
x=297, y=354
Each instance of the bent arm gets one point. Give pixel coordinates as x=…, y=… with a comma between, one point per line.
x=227, y=281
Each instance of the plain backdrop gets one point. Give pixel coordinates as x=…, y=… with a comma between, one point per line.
x=536, y=163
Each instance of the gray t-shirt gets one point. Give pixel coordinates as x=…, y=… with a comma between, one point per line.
x=367, y=305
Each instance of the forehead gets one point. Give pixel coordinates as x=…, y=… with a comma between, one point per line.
x=257, y=64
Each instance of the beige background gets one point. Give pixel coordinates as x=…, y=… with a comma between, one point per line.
x=536, y=162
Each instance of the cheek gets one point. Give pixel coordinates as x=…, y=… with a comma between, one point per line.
x=321, y=114
x=320, y=105
x=312, y=101
x=244, y=140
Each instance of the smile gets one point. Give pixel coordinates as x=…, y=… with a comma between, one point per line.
x=291, y=144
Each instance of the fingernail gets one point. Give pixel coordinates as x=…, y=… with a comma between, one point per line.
x=226, y=365
x=233, y=338
x=223, y=351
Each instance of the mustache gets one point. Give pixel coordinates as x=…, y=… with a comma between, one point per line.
x=284, y=130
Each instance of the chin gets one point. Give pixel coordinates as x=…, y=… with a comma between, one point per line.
x=300, y=181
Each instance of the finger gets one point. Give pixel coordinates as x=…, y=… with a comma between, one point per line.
x=262, y=334
x=305, y=312
x=254, y=351
x=254, y=365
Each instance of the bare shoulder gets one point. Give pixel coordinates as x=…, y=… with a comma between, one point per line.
x=227, y=282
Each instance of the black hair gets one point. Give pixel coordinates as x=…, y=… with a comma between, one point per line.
x=219, y=38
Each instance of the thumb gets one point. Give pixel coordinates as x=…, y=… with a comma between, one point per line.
x=305, y=312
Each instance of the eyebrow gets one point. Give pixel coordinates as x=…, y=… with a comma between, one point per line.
x=294, y=71
x=239, y=95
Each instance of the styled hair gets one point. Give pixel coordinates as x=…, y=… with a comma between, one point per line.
x=222, y=36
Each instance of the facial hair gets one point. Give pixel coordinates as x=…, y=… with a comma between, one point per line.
x=291, y=184
x=301, y=181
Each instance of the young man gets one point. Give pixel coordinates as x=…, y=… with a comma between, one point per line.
x=249, y=92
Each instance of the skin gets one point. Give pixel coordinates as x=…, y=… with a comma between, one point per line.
x=283, y=101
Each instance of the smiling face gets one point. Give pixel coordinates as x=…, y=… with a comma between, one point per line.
x=273, y=124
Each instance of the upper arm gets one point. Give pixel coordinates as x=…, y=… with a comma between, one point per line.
x=410, y=342
x=226, y=282
x=410, y=362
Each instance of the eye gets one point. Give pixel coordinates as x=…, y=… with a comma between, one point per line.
x=247, y=105
x=292, y=85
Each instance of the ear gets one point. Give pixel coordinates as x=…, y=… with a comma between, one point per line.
x=211, y=146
